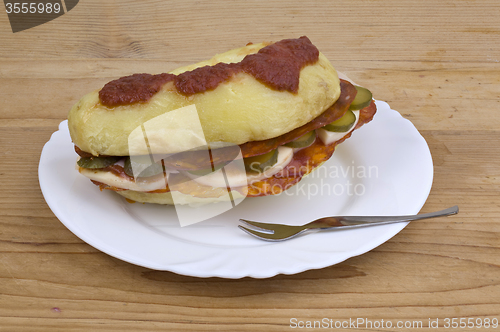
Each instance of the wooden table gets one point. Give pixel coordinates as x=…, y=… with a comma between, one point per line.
x=436, y=62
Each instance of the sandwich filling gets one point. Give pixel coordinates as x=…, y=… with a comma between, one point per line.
x=288, y=168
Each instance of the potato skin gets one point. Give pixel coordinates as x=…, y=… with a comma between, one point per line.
x=239, y=110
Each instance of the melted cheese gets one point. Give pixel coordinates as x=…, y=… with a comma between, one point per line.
x=153, y=183
x=236, y=175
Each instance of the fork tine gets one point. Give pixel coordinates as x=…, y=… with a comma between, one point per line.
x=259, y=226
x=271, y=236
x=272, y=232
x=260, y=235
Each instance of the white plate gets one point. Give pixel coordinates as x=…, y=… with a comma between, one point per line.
x=397, y=179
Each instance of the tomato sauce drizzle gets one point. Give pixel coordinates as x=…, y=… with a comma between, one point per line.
x=277, y=65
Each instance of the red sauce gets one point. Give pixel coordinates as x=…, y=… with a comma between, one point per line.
x=132, y=89
x=205, y=78
x=277, y=65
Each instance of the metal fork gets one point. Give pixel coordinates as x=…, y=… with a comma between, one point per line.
x=280, y=232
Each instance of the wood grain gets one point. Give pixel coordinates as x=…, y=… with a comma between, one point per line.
x=436, y=62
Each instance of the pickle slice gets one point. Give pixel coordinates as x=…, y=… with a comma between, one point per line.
x=261, y=163
x=140, y=162
x=97, y=162
x=303, y=141
x=343, y=124
x=363, y=98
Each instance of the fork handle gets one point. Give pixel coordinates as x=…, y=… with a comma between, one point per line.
x=379, y=220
